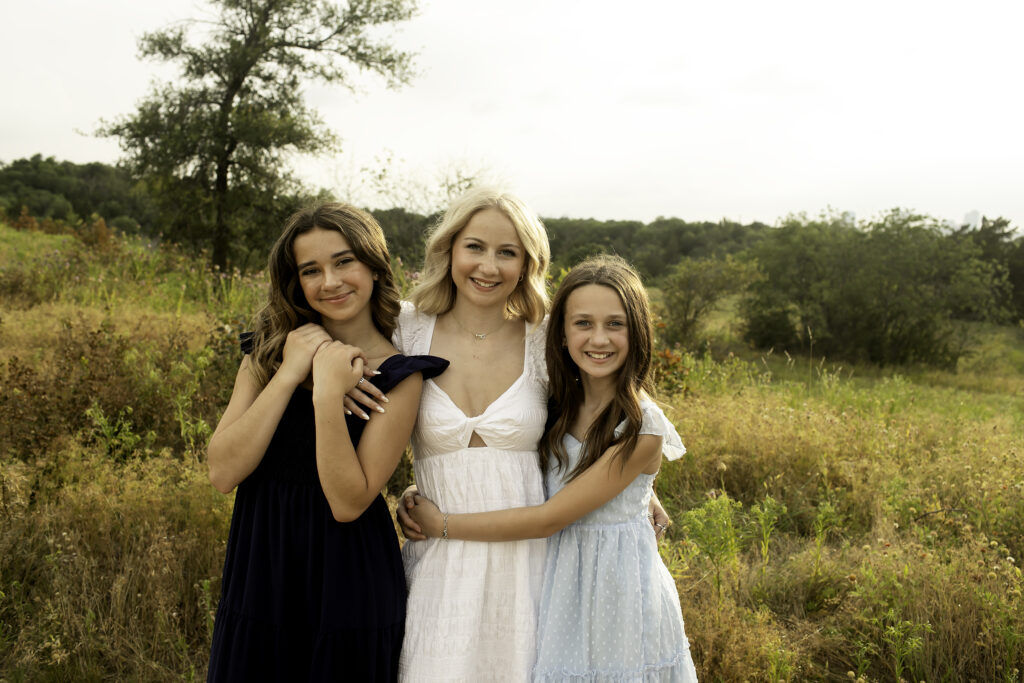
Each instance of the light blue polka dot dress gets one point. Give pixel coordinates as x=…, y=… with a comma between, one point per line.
x=609, y=610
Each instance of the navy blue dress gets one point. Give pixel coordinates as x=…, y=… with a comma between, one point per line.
x=305, y=597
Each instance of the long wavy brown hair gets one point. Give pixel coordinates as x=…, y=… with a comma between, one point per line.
x=286, y=307
x=633, y=377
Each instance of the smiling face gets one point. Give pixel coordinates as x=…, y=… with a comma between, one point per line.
x=596, y=330
x=487, y=259
x=336, y=285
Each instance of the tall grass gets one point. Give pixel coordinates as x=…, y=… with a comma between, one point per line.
x=830, y=523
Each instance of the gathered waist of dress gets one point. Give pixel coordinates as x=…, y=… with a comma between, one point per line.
x=480, y=479
x=596, y=520
x=477, y=452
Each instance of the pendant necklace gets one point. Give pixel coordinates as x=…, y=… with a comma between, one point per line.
x=480, y=336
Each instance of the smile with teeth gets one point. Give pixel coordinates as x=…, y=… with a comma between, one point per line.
x=483, y=283
x=598, y=355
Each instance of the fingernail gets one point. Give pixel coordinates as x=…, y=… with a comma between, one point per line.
x=379, y=409
x=376, y=372
x=385, y=399
x=364, y=416
x=347, y=411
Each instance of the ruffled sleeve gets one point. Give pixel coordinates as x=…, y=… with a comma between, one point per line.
x=536, y=340
x=396, y=368
x=408, y=334
x=655, y=422
x=246, y=341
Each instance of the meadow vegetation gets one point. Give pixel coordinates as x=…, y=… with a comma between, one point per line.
x=831, y=523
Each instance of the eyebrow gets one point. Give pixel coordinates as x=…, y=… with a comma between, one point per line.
x=513, y=245
x=610, y=316
x=333, y=256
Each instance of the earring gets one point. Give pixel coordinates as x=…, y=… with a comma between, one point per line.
x=521, y=276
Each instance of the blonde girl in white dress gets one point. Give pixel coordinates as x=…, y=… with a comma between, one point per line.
x=481, y=301
x=472, y=609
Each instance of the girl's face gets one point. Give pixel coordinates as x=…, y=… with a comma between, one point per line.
x=337, y=285
x=488, y=258
x=596, y=332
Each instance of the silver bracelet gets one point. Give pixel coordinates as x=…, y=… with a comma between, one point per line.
x=444, y=531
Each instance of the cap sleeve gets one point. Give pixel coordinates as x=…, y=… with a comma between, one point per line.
x=396, y=368
x=429, y=366
x=410, y=331
x=536, y=339
x=655, y=422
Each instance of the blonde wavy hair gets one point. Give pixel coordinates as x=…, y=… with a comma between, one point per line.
x=435, y=293
x=286, y=307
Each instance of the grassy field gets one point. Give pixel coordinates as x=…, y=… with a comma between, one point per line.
x=831, y=523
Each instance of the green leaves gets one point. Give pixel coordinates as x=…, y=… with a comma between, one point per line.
x=889, y=292
x=216, y=141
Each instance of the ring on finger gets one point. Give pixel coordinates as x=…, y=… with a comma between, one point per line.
x=661, y=526
x=361, y=380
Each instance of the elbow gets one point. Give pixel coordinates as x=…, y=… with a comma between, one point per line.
x=543, y=525
x=220, y=480
x=346, y=513
x=550, y=529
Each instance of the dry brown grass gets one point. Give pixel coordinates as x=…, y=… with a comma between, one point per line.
x=897, y=552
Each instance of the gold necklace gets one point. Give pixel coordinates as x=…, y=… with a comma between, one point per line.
x=480, y=336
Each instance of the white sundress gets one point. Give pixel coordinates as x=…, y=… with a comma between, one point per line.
x=472, y=608
x=609, y=609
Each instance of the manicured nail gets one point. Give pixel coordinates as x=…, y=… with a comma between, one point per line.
x=385, y=399
x=379, y=409
x=376, y=372
x=347, y=411
x=364, y=416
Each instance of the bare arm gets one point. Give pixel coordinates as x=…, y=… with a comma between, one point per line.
x=601, y=482
x=244, y=431
x=353, y=477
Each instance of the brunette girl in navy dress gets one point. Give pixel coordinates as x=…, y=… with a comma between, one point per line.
x=313, y=586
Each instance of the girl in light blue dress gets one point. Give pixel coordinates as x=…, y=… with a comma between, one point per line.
x=609, y=608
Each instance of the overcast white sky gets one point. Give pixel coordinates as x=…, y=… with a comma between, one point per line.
x=747, y=110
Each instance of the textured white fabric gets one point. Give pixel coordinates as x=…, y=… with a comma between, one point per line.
x=472, y=609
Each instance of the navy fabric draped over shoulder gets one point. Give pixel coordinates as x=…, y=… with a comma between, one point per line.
x=305, y=597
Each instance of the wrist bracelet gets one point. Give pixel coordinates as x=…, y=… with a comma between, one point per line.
x=444, y=531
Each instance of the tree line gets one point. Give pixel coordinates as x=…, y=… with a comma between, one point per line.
x=897, y=289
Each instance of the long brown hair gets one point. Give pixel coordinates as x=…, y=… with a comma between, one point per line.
x=564, y=374
x=286, y=307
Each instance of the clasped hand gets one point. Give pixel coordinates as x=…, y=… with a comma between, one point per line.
x=310, y=349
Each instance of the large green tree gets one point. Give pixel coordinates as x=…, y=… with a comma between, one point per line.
x=213, y=146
